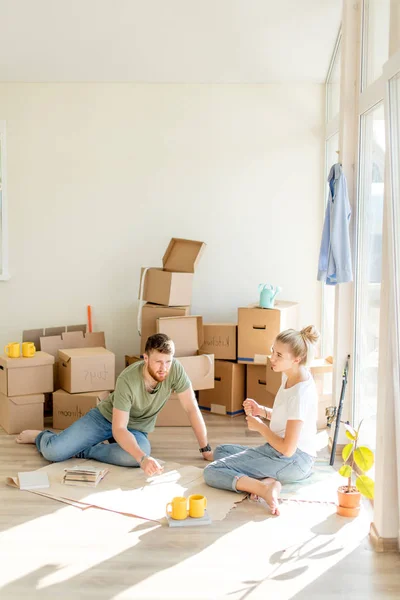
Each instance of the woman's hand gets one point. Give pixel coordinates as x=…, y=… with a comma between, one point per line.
x=254, y=423
x=252, y=408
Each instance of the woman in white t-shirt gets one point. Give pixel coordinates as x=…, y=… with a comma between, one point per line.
x=290, y=449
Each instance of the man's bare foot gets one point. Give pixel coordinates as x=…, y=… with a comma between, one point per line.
x=28, y=436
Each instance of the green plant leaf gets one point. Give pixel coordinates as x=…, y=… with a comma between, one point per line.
x=345, y=470
x=364, y=458
x=347, y=451
x=365, y=486
x=351, y=433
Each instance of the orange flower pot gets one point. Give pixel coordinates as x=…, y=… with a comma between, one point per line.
x=348, y=502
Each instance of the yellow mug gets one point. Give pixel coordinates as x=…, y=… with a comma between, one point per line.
x=179, y=508
x=13, y=350
x=28, y=349
x=197, y=505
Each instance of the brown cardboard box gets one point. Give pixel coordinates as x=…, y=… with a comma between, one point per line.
x=220, y=340
x=322, y=371
x=68, y=408
x=129, y=360
x=152, y=312
x=86, y=370
x=258, y=328
x=56, y=340
x=21, y=412
x=273, y=379
x=257, y=386
x=229, y=391
x=172, y=414
x=22, y=376
x=172, y=285
x=187, y=334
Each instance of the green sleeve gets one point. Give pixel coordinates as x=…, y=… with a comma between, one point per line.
x=181, y=381
x=123, y=398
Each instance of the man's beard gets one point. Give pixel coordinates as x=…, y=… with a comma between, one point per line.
x=155, y=376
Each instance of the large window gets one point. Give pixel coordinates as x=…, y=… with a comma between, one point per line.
x=333, y=84
x=369, y=267
x=3, y=204
x=375, y=39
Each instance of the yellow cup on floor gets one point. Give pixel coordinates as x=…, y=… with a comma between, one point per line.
x=197, y=505
x=13, y=350
x=178, y=508
x=28, y=349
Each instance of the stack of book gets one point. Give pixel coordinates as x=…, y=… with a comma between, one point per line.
x=85, y=476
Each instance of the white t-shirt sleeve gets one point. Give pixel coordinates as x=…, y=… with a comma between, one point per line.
x=296, y=408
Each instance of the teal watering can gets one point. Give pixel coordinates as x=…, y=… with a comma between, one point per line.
x=267, y=294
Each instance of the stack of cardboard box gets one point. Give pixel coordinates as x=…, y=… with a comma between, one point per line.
x=167, y=292
x=23, y=383
x=226, y=398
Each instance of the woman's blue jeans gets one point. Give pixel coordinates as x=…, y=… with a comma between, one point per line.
x=233, y=461
x=83, y=439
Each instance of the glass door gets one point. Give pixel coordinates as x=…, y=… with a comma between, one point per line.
x=369, y=268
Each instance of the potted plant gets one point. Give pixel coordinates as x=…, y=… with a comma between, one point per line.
x=357, y=461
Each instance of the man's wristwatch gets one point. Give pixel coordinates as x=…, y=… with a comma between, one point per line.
x=205, y=449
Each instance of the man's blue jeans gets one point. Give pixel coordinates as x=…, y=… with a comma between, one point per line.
x=83, y=440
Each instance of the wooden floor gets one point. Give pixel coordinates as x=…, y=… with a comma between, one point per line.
x=49, y=550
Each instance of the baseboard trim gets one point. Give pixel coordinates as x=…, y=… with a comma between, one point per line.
x=381, y=544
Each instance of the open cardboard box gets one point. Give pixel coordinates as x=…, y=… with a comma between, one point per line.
x=187, y=335
x=69, y=339
x=172, y=285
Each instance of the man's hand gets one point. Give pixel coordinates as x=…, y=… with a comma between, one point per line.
x=254, y=423
x=251, y=407
x=151, y=467
x=208, y=456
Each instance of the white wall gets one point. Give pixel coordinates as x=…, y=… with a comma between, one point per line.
x=101, y=176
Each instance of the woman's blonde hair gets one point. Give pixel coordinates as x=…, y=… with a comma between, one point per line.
x=301, y=343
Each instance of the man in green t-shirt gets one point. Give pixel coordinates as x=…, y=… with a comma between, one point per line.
x=127, y=415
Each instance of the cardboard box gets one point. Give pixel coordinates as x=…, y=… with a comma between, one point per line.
x=172, y=285
x=68, y=408
x=21, y=412
x=258, y=328
x=172, y=414
x=23, y=376
x=187, y=335
x=34, y=335
x=86, y=370
x=129, y=360
x=56, y=338
x=322, y=371
x=257, y=386
x=220, y=339
x=150, y=314
x=229, y=391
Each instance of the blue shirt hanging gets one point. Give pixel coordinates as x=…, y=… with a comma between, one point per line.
x=334, y=265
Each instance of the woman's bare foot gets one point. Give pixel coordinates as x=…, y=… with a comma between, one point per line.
x=272, y=497
x=28, y=436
